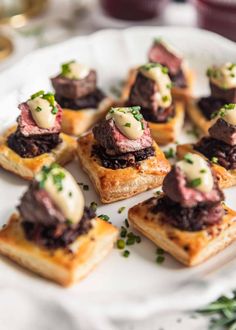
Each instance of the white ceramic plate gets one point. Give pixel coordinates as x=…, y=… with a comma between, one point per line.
x=120, y=287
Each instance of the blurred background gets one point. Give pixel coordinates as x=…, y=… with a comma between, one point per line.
x=30, y=24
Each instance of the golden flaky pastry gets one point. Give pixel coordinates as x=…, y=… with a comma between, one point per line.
x=113, y=185
x=190, y=248
x=28, y=167
x=226, y=178
x=76, y=122
x=64, y=266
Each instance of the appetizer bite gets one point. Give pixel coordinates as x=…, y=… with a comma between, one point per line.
x=82, y=101
x=181, y=76
x=54, y=234
x=222, y=81
x=120, y=156
x=219, y=147
x=152, y=91
x=189, y=220
x=36, y=140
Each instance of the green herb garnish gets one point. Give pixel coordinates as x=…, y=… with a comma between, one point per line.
x=69, y=222
x=160, y=259
x=104, y=217
x=188, y=158
x=170, y=153
x=165, y=98
x=70, y=194
x=39, y=93
x=54, y=111
x=214, y=160
x=164, y=70
x=126, y=223
x=121, y=209
x=65, y=68
x=120, y=244
x=195, y=183
x=38, y=109
x=94, y=206
x=203, y=171
x=126, y=253
x=127, y=125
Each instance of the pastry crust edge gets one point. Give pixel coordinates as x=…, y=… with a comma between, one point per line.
x=113, y=185
x=190, y=248
x=27, y=168
x=60, y=265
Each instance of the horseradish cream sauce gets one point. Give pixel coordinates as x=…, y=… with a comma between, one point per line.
x=42, y=113
x=126, y=122
x=197, y=172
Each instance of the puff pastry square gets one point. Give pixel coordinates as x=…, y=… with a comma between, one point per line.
x=180, y=94
x=113, y=185
x=78, y=122
x=190, y=248
x=196, y=116
x=61, y=265
x=28, y=167
x=226, y=178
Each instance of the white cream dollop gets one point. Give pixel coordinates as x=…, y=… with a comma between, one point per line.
x=126, y=122
x=159, y=74
x=42, y=113
x=76, y=70
x=228, y=113
x=223, y=76
x=197, y=170
x=66, y=194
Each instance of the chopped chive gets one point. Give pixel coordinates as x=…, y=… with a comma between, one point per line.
x=160, y=259
x=165, y=98
x=127, y=125
x=120, y=244
x=195, y=183
x=164, y=70
x=70, y=194
x=126, y=253
x=39, y=93
x=203, y=171
x=126, y=223
x=38, y=109
x=104, y=217
x=214, y=160
x=123, y=232
x=188, y=158
x=69, y=222
x=121, y=209
x=170, y=153
x=130, y=241
x=85, y=187
x=94, y=206
x=54, y=111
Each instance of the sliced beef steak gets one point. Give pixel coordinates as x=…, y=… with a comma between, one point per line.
x=91, y=100
x=34, y=145
x=161, y=54
x=114, y=142
x=228, y=95
x=143, y=92
x=27, y=125
x=209, y=105
x=223, y=131
x=175, y=186
x=73, y=88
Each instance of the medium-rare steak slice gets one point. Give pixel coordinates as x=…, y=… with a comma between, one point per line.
x=159, y=53
x=175, y=186
x=110, y=137
x=75, y=88
x=28, y=127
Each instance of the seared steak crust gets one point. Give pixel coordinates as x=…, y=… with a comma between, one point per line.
x=34, y=145
x=224, y=153
x=208, y=105
x=123, y=160
x=188, y=218
x=91, y=100
x=143, y=93
x=73, y=88
x=223, y=131
x=228, y=95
